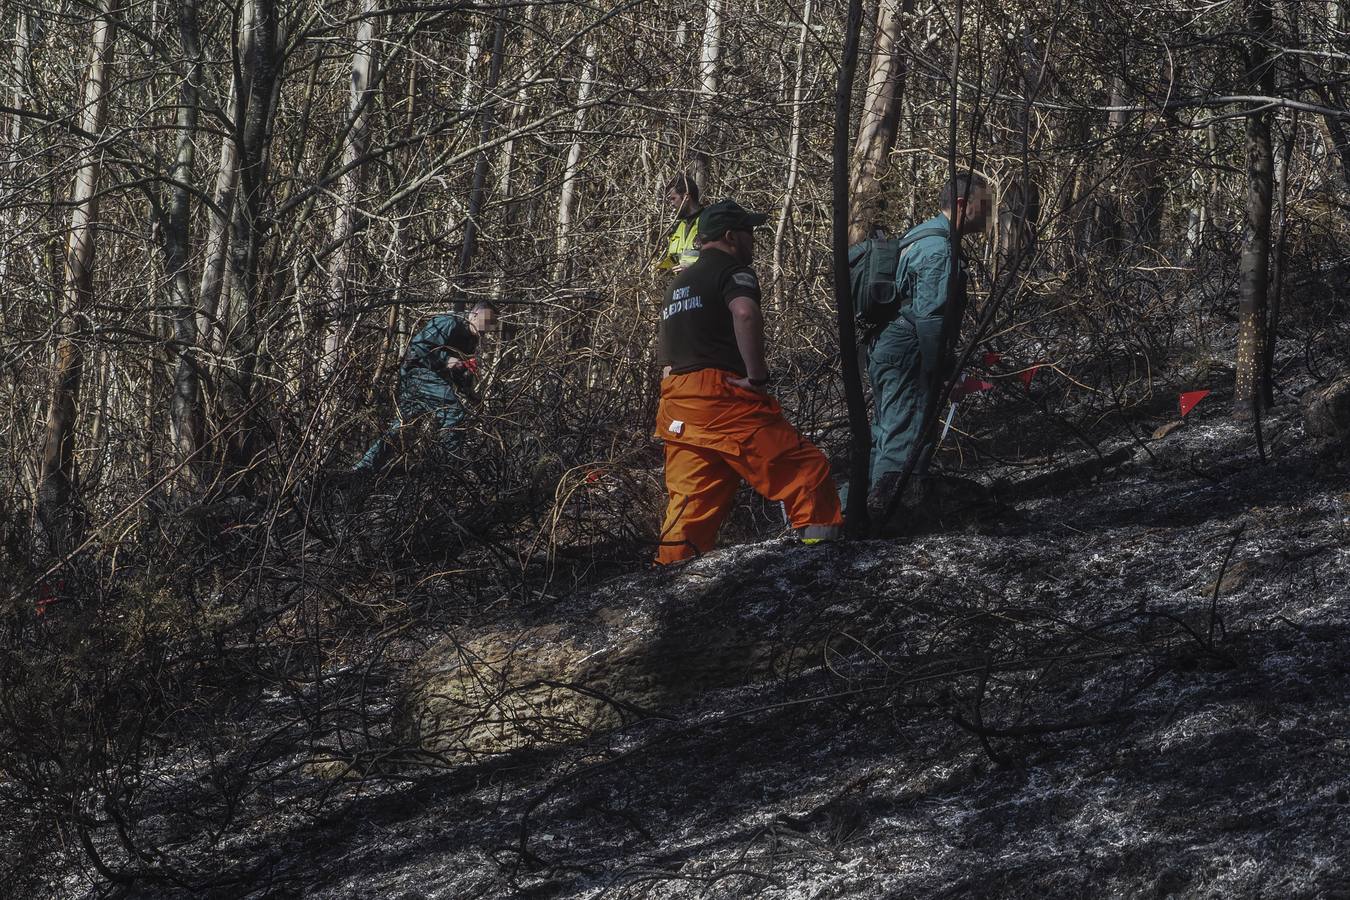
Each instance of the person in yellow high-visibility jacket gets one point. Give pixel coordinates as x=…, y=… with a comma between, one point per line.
x=682, y=239
x=716, y=416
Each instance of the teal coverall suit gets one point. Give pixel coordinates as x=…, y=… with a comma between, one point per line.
x=431, y=373
x=906, y=361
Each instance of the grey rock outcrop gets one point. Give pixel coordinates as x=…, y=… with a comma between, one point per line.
x=619, y=655
x=1326, y=412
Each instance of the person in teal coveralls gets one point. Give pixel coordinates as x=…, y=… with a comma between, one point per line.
x=439, y=366
x=908, y=359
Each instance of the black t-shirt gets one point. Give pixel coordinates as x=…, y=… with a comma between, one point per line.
x=696, y=330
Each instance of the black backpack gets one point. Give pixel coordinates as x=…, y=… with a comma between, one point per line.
x=872, y=265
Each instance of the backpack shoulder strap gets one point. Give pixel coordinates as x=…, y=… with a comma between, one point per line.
x=915, y=236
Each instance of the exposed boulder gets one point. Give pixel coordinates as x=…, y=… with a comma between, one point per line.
x=1326, y=412
x=622, y=655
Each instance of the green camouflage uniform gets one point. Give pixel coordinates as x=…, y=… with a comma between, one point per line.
x=427, y=385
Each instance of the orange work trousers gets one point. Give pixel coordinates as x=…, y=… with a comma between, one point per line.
x=717, y=434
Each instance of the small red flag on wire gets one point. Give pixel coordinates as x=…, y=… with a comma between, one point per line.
x=1027, y=374
x=991, y=359
x=1189, y=399
x=968, y=385
x=48, y=594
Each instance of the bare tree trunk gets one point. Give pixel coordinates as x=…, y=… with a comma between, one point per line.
x=1254, y=267
x=471, y=54
x=1278, y=265
x=20, y=72
x=1197, y=216
x=16, y=89
x=1340, y=142
x=1020, y=197
x=567, y=202
x=1108, y=210
x=185, y=408
x=486, y=119
x=861, y=436
x=209, y=326
x=509, y=158
x=259, y=57
x=880, y=118
x=794, y=150
x=709, y=70
x=56, y=516
x=345, y=219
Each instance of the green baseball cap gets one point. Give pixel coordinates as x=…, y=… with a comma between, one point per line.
x=728, y=215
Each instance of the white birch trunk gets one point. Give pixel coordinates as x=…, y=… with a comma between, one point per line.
x=470, y=92
x=56, y=476
x=880, y=118
x=567, y=200
x=16, y=91
x=345, y=220
x=520, y=107
x=210, y=329
x=709, y=73
x=793, y=152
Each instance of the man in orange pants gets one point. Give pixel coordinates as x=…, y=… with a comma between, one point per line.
x=719, y=423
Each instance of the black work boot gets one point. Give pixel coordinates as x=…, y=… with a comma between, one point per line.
x=879, y=497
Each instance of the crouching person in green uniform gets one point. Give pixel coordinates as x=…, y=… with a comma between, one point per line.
x=909, y=358
x=439, y=367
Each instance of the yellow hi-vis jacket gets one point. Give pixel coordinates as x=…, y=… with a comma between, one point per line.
x=681, y=250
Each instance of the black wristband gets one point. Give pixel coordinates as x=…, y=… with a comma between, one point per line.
x=760, y=382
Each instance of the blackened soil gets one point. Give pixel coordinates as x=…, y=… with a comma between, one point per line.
x=1075, y=697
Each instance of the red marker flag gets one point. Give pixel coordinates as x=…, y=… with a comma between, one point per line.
x=991, y=359
x=48, y=594
x=968, y=385
x=1027, y=374
x=1189, y=399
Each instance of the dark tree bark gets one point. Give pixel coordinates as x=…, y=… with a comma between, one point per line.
x=1254, y=267
x=57, y=517
x=213, y=283
x=1278, y=264
x=185, y=408
x=861, y=445
x=256, y=83
x=1331, y=96
x=486, y=119
x=1019, y=208
x=347, y=221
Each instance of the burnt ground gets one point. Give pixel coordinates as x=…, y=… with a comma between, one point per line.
x=1135, y=687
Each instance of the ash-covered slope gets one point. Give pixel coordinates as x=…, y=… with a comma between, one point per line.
x=1052, y=704
x=1133, y=687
